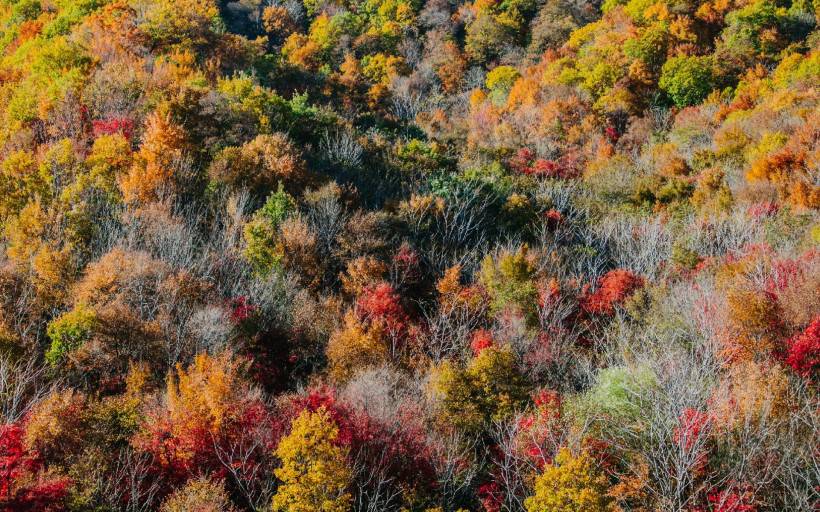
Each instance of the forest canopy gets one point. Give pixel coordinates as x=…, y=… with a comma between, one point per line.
x=409, y=255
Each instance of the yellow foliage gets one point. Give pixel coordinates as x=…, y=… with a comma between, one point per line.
x=200, y=495
x=381, y=68
x=314, y=473
x=114, y=276
x=109, y=159
x=259, y=164
x=302, y=52
x=571, y=484
x=45, y=423
x=21, y=180
x=354, y=347
x=299, y=250
x=205, y=393
x=477, y=97
x=449, y=286
x=753, y=317
x=362, y=272
x=488, y=389
x=25, y=233
x=751, y=394
x=524, y=92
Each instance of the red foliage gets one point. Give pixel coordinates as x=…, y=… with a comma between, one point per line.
x=546, y=168
x=380, y=303
x=241, y=309
x=548, y=401
x=121, y=125
x=729, y=501
x=614, y=288
x=481, y=339
x=315, y=399
x=491, y=496
x=553, y=218
x=543, y=353
x=804, y=351
x=181, y=455
x=612, y=134
x=399, y=449
x=521, y=162
x=539, y=430
x=525, y=162
x=19, y=464
x=786, y=272
x=690, y=426
x=763, y=209
x=14, y=460
x=407, y=265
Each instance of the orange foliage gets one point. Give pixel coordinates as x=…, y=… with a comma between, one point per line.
x=160, y=155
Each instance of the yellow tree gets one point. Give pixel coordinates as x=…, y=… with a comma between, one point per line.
x=314, y=472
x=571, y=484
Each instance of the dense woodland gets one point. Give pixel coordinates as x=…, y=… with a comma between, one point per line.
x=409, y=255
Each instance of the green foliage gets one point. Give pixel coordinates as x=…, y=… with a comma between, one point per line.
x=181, y=22
x=619, y=394
x=687, y=80
x=26, y=10
x=500, y=198
x=261, y=233
x=510, y=281
x=499, y=81
x=69, y=331
x=650, y=47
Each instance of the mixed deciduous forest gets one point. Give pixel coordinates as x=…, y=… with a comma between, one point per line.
x=409, y=255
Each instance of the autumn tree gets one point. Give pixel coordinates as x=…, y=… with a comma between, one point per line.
x=260, y=164
x=206, y=407
x=570, y=484
x=314, y=472
x=155, y=164
x=488, y=389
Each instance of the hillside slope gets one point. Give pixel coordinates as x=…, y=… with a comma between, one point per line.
x=397, y=255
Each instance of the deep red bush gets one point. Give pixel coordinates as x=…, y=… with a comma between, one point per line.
x=380, y=303
x=614, y=288
x=804, y=351
x=21, y=487
x=121, y=125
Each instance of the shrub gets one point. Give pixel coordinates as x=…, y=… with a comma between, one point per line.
x=488, y=389
x=200, y=495
x=509, y=279
x=499, y=81
x=262, y=231
x=804, y=351
x=614, y=288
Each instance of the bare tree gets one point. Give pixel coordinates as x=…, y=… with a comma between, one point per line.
x=22, y=384
x=455, y=468
x=248, y=463
x=132, y=485
x=341, y=148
